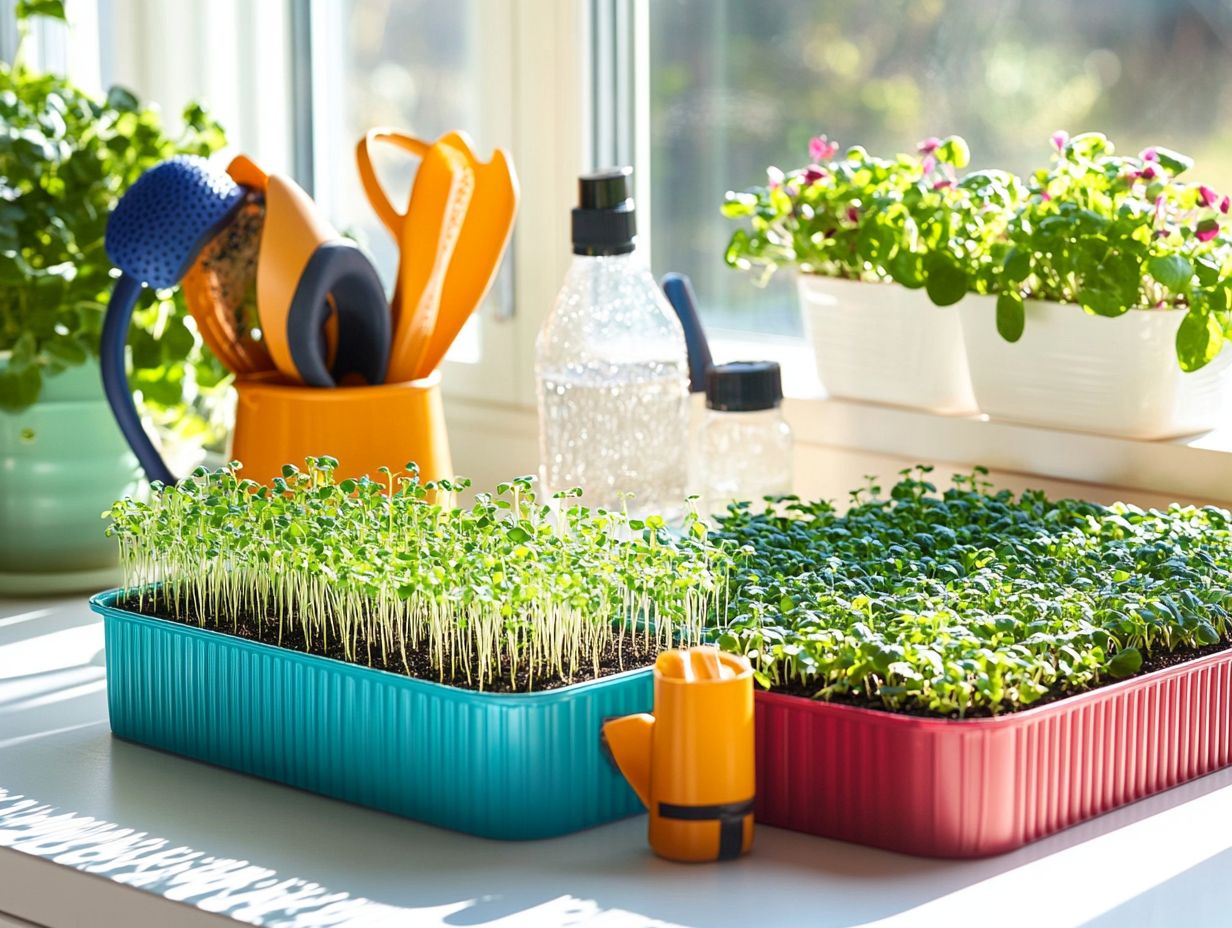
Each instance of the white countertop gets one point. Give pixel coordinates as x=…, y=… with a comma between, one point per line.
x=99, y=832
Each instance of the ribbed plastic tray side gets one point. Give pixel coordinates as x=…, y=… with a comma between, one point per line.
x=499, y=766
x=978, y=787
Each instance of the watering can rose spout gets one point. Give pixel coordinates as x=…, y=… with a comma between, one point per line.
x=691, y=762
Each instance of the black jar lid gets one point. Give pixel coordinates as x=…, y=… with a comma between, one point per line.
x=744, y=386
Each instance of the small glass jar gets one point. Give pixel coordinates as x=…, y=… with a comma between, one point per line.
x=746, y=445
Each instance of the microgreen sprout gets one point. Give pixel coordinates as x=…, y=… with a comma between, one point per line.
x=506, y=587
x=970, y=601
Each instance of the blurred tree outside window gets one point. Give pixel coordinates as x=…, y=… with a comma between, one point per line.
x=736, y=86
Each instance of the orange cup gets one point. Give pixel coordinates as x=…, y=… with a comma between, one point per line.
x=364, y=427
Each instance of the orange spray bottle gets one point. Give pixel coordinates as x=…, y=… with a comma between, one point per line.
x=691, y=762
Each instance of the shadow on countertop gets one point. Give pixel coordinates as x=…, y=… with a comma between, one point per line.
x=606, y=873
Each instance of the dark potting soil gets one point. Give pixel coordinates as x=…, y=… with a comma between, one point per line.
x=1149, y=663
x=631, y=657
x=265, y=630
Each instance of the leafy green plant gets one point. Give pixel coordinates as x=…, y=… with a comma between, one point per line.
x=65, y=159
x=1114, y=233
x=1110, y=233
x=970, y=602
x=910, y=219
x=502, y=589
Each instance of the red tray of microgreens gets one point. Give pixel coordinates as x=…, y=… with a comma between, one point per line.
x=503, y=593
x=971, y=603
x=978, y=669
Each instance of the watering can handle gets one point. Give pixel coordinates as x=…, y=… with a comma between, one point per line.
x=390, y=217
x=115, y=381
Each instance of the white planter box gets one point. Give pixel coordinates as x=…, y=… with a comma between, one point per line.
x=1073, y=370
x=886, y=344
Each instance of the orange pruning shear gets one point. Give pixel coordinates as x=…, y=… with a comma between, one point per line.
x=450, y=238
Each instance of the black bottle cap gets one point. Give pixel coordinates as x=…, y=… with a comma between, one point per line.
x=604, y=222
x=744, y=386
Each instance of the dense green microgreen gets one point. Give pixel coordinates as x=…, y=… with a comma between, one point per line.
x=65, y=159
x=970, y=602
x=908, y=219
x=1108, y=232
x=496, y=589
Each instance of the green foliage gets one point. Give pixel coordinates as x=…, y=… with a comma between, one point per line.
x=52, y=9
x=907, y=219
x=969, y=601
x=1108, y=232
x=1114, y=233
x=1011, y=315
x=1199, y=339
x=502, y=587
x=65, y=159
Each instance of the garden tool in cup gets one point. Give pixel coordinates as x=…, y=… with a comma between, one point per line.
x=439, y=199
x=156, y=232
x=172, y=218
x=463, y=271
x=311, y=280
x=692, y=761
x=219, y=288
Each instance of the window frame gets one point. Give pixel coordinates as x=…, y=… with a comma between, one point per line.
x=547, y=60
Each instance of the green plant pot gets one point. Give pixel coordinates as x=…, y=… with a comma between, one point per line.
x=62, y=462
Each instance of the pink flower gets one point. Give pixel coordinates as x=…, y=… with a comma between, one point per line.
x=853, y=214
x=1207, y=230
x=774, y=177
x=1159, y=209
x=1207, y=196
x=1149, y=154
x=929, y=164
x=1148, y=172
x=1060, y=139
x=1224, y=204
x=929, y=145
x=822, y=149
x=942, y=184
x=813, y=173
x=1045, y=196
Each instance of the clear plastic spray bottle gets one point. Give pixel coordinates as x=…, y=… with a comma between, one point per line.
x=612, y=367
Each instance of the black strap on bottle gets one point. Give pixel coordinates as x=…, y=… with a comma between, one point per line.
x=730, y=816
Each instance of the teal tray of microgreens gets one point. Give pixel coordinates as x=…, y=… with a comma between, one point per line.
x=978, y=670
x=385, y=645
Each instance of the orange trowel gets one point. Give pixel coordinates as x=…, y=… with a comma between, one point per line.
x=423, y=331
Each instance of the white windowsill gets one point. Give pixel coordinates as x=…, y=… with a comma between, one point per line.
x=1197, y=468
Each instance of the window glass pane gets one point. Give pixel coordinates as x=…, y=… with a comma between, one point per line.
x=736, y=86
x=412, y=65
